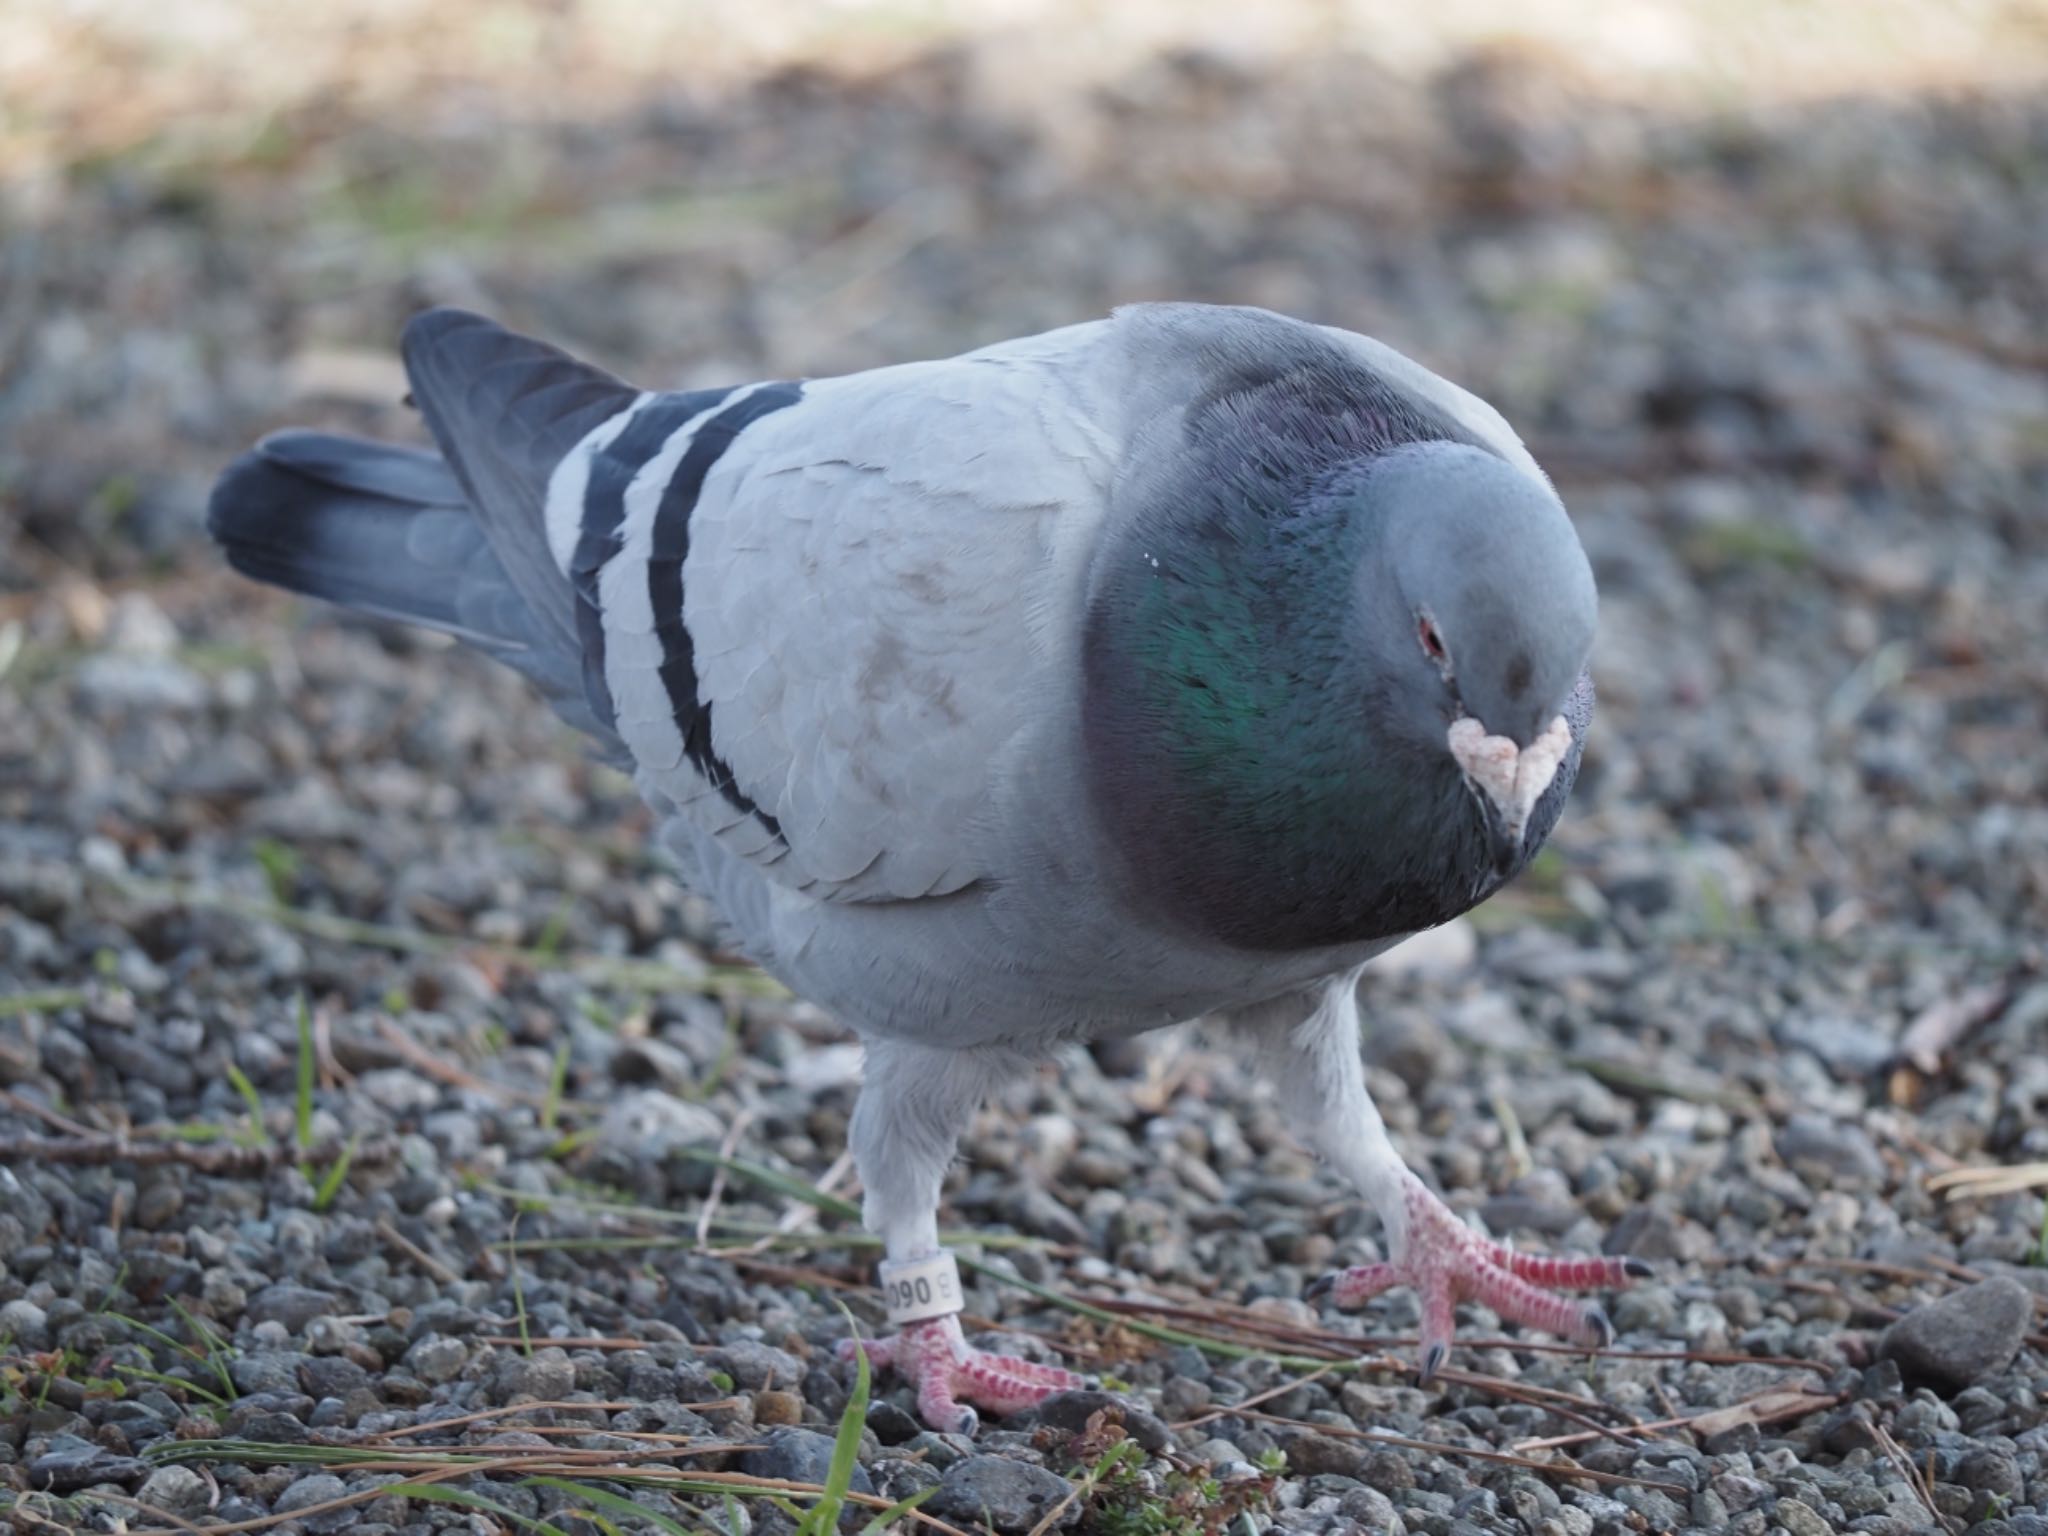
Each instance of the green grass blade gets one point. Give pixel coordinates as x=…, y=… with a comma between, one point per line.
x=47, y=1000
x=823, y=1518
x=251, y=1099
x=280, y=864
x=178, y=1383
x=330, y=1182
x=158, y=1334
x=213, y=1349
x=601, y=1499
x=437, y=1493
x=558, y=1082
x=548, y=944
x=519, y=1294
x=781, y=1183
x=897, y=1511
x=304, y=1105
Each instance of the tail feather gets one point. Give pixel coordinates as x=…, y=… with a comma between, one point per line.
x=389, y=531
x=506, y=410
x=455, y=540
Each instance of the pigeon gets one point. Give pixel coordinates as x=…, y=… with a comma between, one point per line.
x=1168, y=665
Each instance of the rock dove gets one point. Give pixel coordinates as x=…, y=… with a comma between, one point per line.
x=1167, y=665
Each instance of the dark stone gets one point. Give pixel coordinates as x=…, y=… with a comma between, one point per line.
x=1743, y=1437
x=71, y=1464
x=754, y=1366
x=1388, y=1471
x=898, y=1477
x=292, y=1305
x=1847, y=1428
x=318, y=1488
x=1009, y=1496
x=1311, y=1455
x=1962, y=1337
x=1987, y=1471
x=1072, y=1410
x=678, y=1314
x=800, y=1455
x=1644, y=1232
x=331, y=1376
x=273, y=1429
x=1829, y=1152
x=892, y=1426
x=1882, y=1383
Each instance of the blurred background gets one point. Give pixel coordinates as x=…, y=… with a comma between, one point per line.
x=1764, y=284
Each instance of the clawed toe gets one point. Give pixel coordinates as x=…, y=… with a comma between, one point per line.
x=1432, y=1361
x=1445, y=1262
x=1599, y=1326
x=949, y=1374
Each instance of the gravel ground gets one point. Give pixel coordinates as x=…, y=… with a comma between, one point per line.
x=1781, y=968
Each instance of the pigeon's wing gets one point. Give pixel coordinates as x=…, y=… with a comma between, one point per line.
x=817, y=603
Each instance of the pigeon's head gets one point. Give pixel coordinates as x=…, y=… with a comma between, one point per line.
x=1480, y=609
x=1325, y=708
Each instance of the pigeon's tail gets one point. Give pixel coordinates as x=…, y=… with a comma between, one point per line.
x=455, y=540
x=390, y=531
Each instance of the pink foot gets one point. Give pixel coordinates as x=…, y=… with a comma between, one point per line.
x=937, y=1360
x=1447, y=1262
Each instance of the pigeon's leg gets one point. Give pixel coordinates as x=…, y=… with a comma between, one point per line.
x=914, y=1103
x=1311, y=1046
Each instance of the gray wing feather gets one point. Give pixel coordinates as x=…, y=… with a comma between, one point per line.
x=506, y=409
x=871, y=583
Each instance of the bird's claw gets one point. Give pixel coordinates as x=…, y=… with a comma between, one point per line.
x=947, y=1372
x=1446, y=1262
x=1432, y=1362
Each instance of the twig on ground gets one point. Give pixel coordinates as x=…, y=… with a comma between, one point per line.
x=1915, y=1478
x=42, y=1112
x=426, y=1062
x=98, y=1150
x=428, y=1426
x=726, y=1149
x=405, y=1245
x=1929, y=1040
x=1988, y=1183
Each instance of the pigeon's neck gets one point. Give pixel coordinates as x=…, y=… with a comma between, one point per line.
x=1237, y=748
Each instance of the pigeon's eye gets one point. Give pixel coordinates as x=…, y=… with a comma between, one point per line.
x=1432, y=642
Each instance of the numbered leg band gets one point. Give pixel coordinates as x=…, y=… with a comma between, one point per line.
x=917, y=1289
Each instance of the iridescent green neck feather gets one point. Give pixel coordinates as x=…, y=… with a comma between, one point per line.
x=1265, y=737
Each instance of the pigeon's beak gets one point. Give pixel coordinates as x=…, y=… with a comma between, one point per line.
x=1508, y=779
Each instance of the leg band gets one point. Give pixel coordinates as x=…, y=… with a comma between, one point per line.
x=915, y=1290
